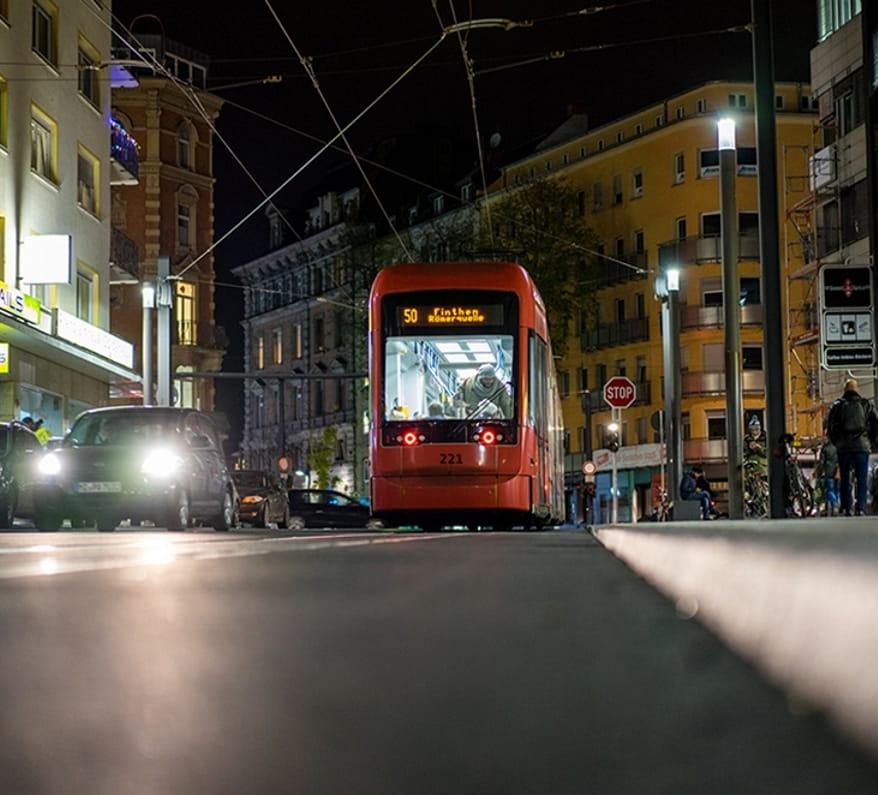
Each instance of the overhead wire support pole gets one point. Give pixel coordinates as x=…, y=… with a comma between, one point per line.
x=775, y=368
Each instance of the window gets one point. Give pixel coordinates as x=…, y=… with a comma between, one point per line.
x=297, y=341
x=708, y=162
x=84, y=295
x=598, y=196
x=620, y=310
x=659, y=121
x=751, y=291
x=700, y=106
x=746, y=156
x=679, y=113
x=184, y=145
x=43, y=33
x=778, y=102
x=43, y=136
x=319, y=334
x=184, y=312
x=854, y=212
x=751, y=357
x=548, y=165
x=637, y=183
x=620, y=247
x=582, y=152
x=737, y=100
x=86, y=181
x=583, y=379
x=748, y=224
x=466, y=192
x=260, y=352
x=184, y=230
x=564, y=383
x=832, y=14
x=711, y=225
x=679, y=168
x=277, y=348
x=638, y=242
x=617, y=189
x=620, y=136
x=600, y=145
x=580, y=202
x=716, y=425
x=680, y=228
x=88, y=75
x=438, y=204
x=638, y=129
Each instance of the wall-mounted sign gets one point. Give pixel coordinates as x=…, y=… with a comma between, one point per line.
x=20, y=304
x=4, y=357
x=847, y=317
x=46, y=259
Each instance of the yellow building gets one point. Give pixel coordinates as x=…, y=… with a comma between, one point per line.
x=648, y=185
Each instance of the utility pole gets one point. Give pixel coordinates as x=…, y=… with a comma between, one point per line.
x=164, y=300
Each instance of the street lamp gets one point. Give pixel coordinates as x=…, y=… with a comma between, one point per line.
x=667, y=287
x=147, y=294
x=731, y=314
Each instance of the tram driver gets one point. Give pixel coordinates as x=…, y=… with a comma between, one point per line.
x=484, y=395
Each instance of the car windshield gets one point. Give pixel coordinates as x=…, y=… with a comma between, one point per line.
x=121, y=428
x=248, y=479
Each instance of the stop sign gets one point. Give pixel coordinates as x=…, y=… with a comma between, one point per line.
x=620, y=392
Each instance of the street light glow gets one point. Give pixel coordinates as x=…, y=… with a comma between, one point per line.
x=725, y=130
x=672, y=275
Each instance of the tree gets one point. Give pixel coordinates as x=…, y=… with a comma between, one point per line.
x=541, y=225
x=321, y=454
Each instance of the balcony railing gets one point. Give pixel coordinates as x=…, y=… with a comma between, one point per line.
x=124, y=258
x=123, y=156
x=698, y=250
x=714, y=383
x=692, y=317
x=608, y=335
x=204, y=335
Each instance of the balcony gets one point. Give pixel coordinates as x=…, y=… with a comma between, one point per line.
x=191, y=333
x=124, y=258
x=695, y=317
x=124, y=160
x=608, y=335
x=699, y=250
x=714, y=383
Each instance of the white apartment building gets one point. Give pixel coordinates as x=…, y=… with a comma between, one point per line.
x=57, y=356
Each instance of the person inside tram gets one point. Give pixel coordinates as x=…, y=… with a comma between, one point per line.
x=485, y=395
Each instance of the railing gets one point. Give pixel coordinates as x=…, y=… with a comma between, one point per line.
x=608, y=335
x=124, y=253
x=714, y=383
x=204, y=335
x=696, y=250
x=123, y=151
x=712, y=316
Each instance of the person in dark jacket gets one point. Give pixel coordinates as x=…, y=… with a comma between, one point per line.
x=690, y=490
x=852, y=426
x=825, y=472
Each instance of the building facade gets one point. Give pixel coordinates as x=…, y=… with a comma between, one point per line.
x=60, y=154
x=169, y=212
x=648, y=186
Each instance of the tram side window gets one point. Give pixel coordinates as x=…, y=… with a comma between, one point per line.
x=449, y=376
x=538, y=376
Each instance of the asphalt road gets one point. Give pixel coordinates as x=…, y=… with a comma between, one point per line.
x=144, y=662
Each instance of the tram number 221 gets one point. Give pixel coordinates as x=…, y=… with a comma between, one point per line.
x=450, y=458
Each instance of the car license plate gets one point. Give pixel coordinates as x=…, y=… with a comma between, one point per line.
x=98, y=486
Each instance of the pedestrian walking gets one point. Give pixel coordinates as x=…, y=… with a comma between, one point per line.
x=852, y=426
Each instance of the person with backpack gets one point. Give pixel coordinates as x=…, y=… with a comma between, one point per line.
x=852, y=426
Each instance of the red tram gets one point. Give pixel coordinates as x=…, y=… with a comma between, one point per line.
x=466, y=419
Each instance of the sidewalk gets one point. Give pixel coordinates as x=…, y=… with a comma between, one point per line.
x=798, y=598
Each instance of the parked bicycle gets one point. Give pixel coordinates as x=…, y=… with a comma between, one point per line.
x=661, y=509
x=798, y=493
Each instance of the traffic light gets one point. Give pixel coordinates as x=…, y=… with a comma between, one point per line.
x=611, y=440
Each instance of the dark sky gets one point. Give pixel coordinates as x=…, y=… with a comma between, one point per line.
x=614, y=62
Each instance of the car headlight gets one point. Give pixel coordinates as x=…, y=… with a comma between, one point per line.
x=49, y=464
x=252, y=498
x=161, y=462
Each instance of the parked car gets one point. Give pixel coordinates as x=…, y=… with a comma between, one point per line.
x=20, y=451
x=263, y=498
x=327, y=508
x=144, y=463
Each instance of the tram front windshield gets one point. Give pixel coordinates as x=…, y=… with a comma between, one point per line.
x=450, y=356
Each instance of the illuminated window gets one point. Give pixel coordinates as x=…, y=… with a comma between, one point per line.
x=277, y=347
x=44, y=32
x=43, y=137
x=85, y=285
x=86, y=181
x=260, y=352
x=184, y=312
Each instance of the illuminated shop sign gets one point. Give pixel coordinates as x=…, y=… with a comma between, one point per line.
x=97, y=340
x=451, y=315
x=4, y=357
x=19, y=304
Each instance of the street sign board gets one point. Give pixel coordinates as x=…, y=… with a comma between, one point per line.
x=620, y=392
x=847, y=319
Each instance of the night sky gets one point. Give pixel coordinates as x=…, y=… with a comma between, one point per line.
x=614, y=62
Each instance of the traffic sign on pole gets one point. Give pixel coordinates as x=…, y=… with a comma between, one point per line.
x=620, y=392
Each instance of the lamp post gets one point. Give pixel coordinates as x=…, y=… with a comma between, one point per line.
x=613, y=429
x=731, y=314
x=147, y=294
x=668, y=288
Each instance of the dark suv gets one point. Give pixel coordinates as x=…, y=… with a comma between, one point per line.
x=20, y=451
x=144, y=463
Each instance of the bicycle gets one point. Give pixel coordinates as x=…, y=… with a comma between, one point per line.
x=661, y=510
x=798, y=493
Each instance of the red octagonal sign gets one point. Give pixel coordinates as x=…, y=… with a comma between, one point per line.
x=620, y=392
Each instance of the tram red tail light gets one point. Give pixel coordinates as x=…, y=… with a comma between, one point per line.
x=412, y=438
x=489, y=436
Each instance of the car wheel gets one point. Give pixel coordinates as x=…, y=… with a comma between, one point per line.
x=176, y=516
x=262, y=520
x=228, y=517
x=7, y=510
x=374, y=524
x=296, y=523
x=47, y=520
